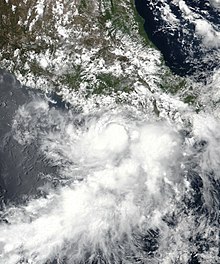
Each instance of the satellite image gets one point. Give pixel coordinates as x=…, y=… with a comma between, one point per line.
x=109, y=132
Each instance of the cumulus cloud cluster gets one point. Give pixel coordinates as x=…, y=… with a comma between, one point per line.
x=123, y=174
x=122, y=196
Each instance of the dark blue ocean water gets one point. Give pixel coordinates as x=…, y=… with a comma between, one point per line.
x=21, y=167
x=182, y=49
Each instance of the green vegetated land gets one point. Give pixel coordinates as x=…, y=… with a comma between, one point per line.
x=27, y=34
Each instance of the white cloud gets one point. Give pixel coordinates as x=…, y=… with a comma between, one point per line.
x=210, y=36
x=125, y=166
